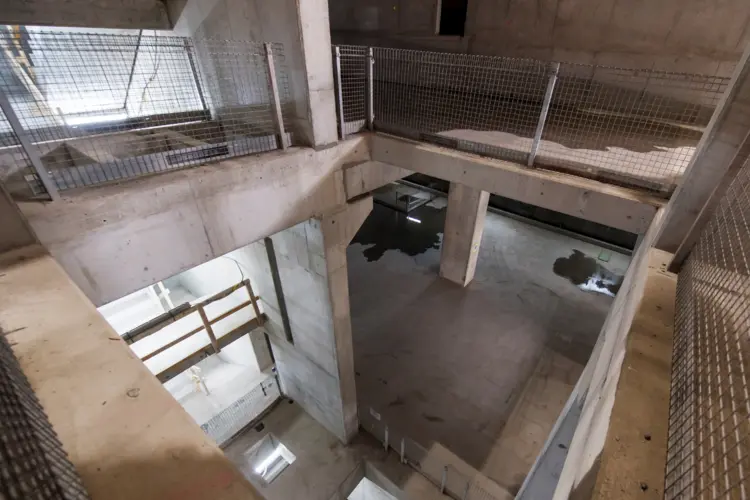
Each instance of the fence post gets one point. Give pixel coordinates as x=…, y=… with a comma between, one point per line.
x=385, y=441
x=31, y=153
x=370, y=102
x=554, y=70
x=403, y=451
x=443, y=480
x=209, y=330
x=275, y=100
x=339, y=91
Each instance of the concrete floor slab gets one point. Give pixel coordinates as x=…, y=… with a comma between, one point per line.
x=449, y=365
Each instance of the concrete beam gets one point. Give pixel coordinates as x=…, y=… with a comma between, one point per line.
x=15, y=232
x=114, y=419
x=719, y=151
x=131, y=14
x=464, y=223
x=162, y=225
x=587, y=199
x=368, y=176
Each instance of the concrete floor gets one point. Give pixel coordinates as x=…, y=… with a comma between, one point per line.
x=483, y=370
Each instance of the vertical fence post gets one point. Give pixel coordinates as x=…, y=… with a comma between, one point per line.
x=403, y=450
x=444, y=479
x=385, y=441
x=275, y=100
x=31, y=153
x=554, y=70
x=339, y=90
x=209, y=330
x=370, y=103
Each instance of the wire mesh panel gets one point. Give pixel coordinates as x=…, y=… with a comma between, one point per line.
x=100, y=107
x=224, y=425
x=353, y=87
x=33, y=464
x=489, y=105
x=708, y=454
x=634, y=126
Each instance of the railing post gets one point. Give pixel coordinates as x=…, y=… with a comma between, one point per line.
x=443, y=480
x=554, y=70
x=254, y=302
x=385, y=441
x=31, y=153
x=339, y=90
x=403, y=450
x=370, y=103
x=275, y=100
x=209, y=330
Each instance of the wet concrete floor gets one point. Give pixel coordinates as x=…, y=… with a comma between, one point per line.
x=449, y=364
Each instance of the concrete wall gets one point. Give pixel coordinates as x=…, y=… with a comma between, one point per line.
x=316, y=369
x=595, y=392
x=684, y=36
x=304, y=30
x=135, y=14
x=162, y=225
x=14, y=230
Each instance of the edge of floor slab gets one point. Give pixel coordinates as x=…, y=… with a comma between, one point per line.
x=530, y=221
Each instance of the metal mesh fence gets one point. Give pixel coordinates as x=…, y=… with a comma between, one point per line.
x=353, y=64
x=100, y=108
x=708, y=454
x=33, y=464
x=222, y=427
x=631, y=127
x=628, y=125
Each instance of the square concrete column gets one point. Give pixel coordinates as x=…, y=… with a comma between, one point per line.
x=464, y=223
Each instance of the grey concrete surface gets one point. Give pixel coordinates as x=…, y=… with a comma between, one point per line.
x=162, y=225
x=687, y=36
x=15, y=232
x=133, y=14
x=587, y=199
x=324, y=469
x=449, y=364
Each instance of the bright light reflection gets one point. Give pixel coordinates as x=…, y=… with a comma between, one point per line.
x=414, y=220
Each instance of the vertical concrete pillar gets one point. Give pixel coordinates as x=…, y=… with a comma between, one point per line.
x=311, y=334
x=464, y=223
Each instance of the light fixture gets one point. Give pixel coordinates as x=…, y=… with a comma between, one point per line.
x=413, y=219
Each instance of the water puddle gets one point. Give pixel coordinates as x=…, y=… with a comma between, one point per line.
x=587, y=274
x=413, y=233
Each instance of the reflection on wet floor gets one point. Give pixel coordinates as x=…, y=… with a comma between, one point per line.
x=413, y=233
x=587, y=274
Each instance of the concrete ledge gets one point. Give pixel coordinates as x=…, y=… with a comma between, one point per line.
x=587, y=199
x=161, y=225
x=125, y=434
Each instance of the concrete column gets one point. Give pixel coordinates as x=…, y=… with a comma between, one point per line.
x=721, y=152
x=314, y=359
x=304, y=30
x=464, y=223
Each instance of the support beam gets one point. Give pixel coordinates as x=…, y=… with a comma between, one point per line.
x=613, y=206
x=719, y=152
x=464, y=223
x=368, y=176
